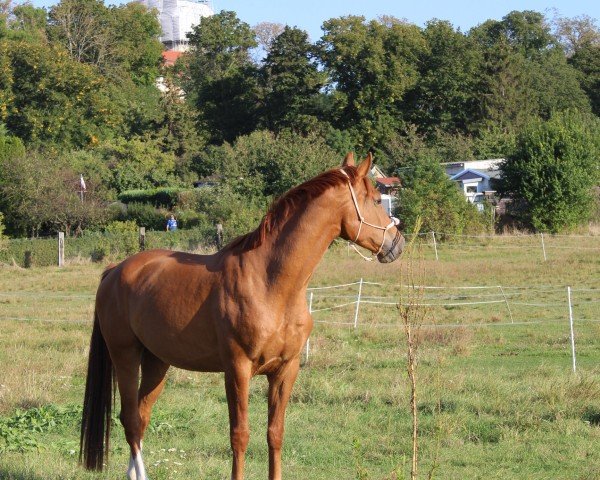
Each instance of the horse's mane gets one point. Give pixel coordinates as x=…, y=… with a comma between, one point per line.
x=286, y=205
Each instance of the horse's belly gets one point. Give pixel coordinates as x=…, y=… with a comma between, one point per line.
x=192, y=347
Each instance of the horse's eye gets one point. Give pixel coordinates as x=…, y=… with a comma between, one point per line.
x=378, y=202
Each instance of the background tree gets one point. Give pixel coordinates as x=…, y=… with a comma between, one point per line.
x=137, y=164
x=291, y=81
x=83, y=27
x=445, y=95
x=263, y=166
x=122, y=41
x=5, y=6
x=6, y=80
x=576, y=33
x=136, y=51
x=29, y=22
x=40, y=194
x=426, y=191
x=553, y=171
x=371, y=66
x=176, y=130
x=222, y=80
x=265, y=33
x=587, y=61
x=56, y=99
x=525, y=72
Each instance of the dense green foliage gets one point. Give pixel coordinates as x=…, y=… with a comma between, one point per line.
x=553, y=170
x=79, y=96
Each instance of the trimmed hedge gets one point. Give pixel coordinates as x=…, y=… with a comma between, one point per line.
x=25, y=252
x=100, y=246
x=166, y=197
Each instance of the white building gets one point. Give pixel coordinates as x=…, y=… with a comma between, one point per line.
x=177, y=19
x=475, y=177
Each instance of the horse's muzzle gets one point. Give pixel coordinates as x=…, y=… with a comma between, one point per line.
x=392, y=248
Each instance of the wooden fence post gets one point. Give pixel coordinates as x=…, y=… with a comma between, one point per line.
x=543, y=246
x=142, y=239
x=61, y=249
x=435, y=245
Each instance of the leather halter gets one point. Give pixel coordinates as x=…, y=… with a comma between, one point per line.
x=392, y=224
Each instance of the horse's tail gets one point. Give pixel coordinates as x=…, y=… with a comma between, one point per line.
x=97, y=402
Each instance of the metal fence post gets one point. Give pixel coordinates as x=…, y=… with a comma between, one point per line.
x=61, y=249
x=360, y=284
x=571, y=326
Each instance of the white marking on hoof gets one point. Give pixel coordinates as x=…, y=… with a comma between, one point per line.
x=131, y=475
x=140, y=470
x=136, y=469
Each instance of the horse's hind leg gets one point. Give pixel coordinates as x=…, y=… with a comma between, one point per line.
x=151, y=386
x=126, y=362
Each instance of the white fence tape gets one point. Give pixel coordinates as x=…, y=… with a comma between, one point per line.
x=467, y=294
x=444, y=300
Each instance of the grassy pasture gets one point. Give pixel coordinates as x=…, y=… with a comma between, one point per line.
x=496, y=400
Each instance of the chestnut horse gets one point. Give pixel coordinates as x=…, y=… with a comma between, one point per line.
x=241, y=311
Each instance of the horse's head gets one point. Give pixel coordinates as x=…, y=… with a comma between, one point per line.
x=364, y=221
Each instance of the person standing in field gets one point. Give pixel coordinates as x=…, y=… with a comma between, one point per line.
x=171, y=224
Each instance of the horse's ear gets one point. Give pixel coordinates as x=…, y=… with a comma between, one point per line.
x=365, y=166
x=349, y=160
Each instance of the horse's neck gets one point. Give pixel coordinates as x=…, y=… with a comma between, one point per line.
x=294, y=250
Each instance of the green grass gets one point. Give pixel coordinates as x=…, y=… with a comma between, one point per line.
x=495, y=401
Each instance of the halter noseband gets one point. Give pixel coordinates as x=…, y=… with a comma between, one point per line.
x=392, y=224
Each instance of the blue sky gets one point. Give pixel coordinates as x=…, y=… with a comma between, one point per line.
x=310, y=14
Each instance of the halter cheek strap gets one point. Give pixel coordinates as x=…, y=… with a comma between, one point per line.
x=362, y=220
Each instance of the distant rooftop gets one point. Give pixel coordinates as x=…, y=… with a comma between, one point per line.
x=170, y=57
x=389, y=181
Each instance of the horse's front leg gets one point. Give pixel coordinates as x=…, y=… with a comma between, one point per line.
x=237, y=385
x=280, y=389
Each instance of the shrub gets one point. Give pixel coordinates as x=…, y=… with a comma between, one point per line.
x=145, y=215
x=189, y=199
x=553, y=171
x=263, y=165
x=123, y=236
x=428, y=193
x=237, y=213
x=190, y=218
x=2, y=236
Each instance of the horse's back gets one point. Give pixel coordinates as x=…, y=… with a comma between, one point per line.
x=163, y=300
